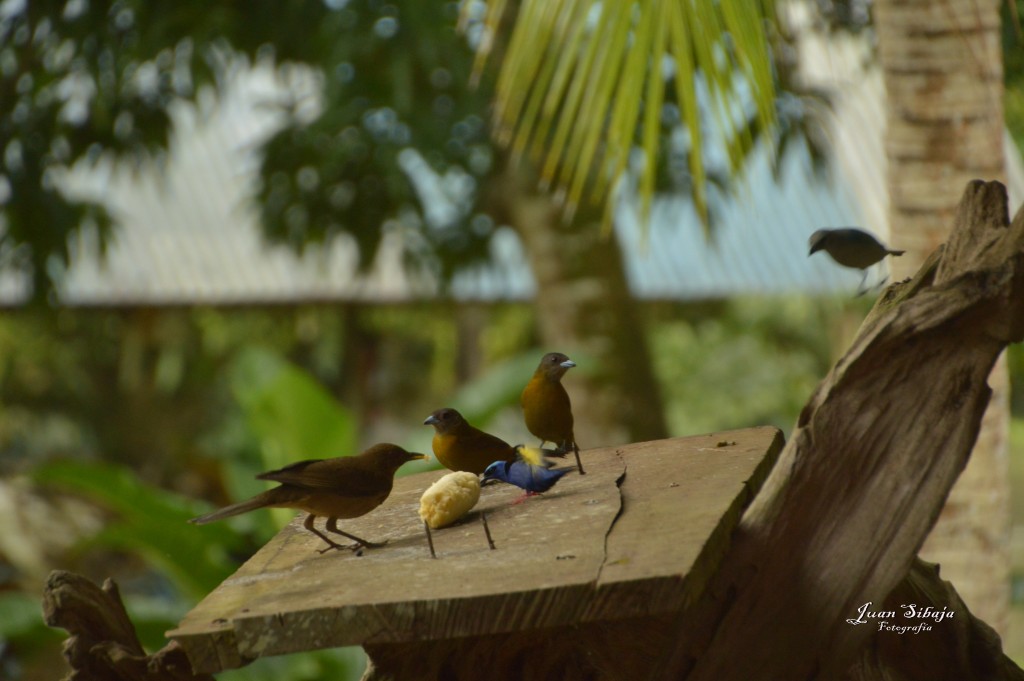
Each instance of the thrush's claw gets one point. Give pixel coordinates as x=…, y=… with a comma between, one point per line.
x=331, y=546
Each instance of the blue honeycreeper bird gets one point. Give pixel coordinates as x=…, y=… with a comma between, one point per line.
x=533, y=479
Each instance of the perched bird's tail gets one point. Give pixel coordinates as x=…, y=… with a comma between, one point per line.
x=258, y=501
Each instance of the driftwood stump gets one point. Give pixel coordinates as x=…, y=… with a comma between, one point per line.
x=875, y=452
x=103, y=645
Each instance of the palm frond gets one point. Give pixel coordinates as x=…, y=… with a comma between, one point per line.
x=583, y=85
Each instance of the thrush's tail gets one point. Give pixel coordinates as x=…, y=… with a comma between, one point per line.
x=259, y=501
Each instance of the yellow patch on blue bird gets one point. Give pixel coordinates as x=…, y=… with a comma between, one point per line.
x=532, y=455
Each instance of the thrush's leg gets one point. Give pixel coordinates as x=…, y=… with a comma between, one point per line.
x=308, y=524
x=332, y=526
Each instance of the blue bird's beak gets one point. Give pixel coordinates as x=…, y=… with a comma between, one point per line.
x=491, y=474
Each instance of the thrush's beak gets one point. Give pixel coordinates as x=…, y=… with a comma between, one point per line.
x=431, y=421
x=419, y=457
x=568, y=364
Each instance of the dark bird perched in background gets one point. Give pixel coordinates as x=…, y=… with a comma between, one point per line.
x=461, y=447
x=851, y=247
x=546, y=407
x=344, y=487
x=528, y=477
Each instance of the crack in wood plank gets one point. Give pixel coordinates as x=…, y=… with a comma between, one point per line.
x=611, y=525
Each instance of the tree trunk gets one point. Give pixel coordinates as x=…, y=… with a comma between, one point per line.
x=584, y=305
x=942, y=65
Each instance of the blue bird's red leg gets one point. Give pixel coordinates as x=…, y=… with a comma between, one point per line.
x=524, y=497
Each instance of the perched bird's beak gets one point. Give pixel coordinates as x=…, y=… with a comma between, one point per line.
x=568, y=364
x=817, y=241
x=419, y=457
x=431, y=420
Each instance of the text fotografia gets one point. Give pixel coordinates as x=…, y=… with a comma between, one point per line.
x=902, y=623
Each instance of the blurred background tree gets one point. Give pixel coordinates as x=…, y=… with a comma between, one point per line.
x=945, y=127
x=91, y=80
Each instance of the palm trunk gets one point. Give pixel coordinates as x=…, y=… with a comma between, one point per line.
x=942, y=65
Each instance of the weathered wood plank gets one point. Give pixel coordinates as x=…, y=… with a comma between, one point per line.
x=661, y=552
x=650, y=540
x=587, y=551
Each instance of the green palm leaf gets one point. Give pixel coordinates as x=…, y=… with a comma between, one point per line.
x=583, y=84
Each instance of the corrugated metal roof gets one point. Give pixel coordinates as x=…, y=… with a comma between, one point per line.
x=189, y=235
x=759, y=243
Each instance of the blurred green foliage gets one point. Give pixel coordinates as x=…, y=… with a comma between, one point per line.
x=150, y=522
x=293, y=417
x=84, y=82
x=480, y=399
x=289, y=413
x=23, y=635
x=750, y=361
x=396, y=78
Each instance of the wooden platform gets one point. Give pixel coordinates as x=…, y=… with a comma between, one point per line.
x=637, y=536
